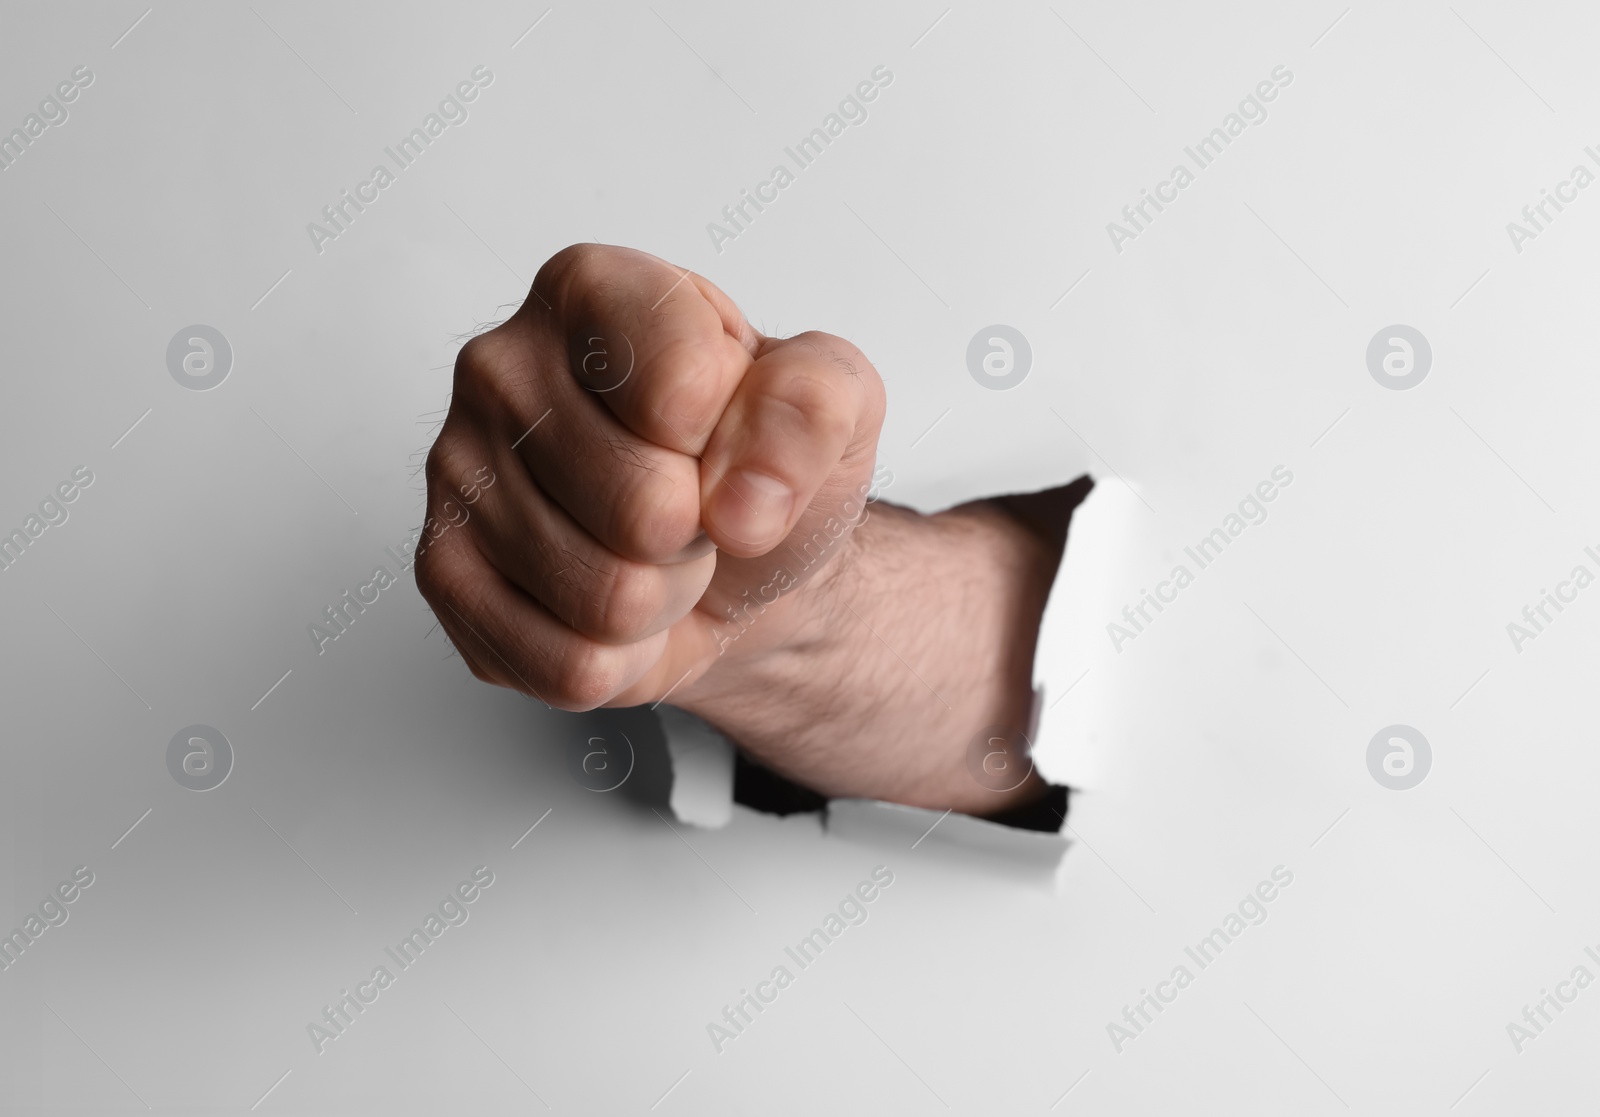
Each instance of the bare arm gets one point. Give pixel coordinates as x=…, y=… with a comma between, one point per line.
x=912, y=643
x=686, y=517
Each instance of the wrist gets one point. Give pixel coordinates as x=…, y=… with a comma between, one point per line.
x=876, y=676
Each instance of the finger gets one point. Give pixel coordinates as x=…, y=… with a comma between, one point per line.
x=808, y=412
x=437, y=564
x=663, y=349
x=545, y=553
x=470, y=648
x=524, y=646
x=640, y=500
x=481, y=671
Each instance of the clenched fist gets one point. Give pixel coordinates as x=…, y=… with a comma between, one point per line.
x=675, y=512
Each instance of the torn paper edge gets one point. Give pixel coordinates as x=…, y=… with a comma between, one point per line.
x=948, y=837
x=1072, y=668
x=701, y=760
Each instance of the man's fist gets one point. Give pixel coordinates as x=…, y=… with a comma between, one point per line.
x=649, y=448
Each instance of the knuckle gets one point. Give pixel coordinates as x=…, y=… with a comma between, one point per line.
x=444, y=468
x=439, y=578
x=656, y=519
x=573, y=263
x=445, y=572
x=479, y=672
x=862, y=376
x=844, y=356
x=475, y=361
x=686, y=385
x=577, y=278
x=493, y=369
x=630, y=602
x=433, y=465
x=587, y=676
x=820, y=402
x=839, y=350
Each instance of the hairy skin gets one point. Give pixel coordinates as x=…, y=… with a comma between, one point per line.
x=677, y=512
x=914, y=640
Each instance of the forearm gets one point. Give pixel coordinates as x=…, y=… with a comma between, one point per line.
x=913, y=641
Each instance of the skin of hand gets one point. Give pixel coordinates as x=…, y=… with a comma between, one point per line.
x=680, y=507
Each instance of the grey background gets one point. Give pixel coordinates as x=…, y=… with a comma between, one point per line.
x=1231, y=737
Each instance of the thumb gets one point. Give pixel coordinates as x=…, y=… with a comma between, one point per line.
x=793, y=446
x=786, y=470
